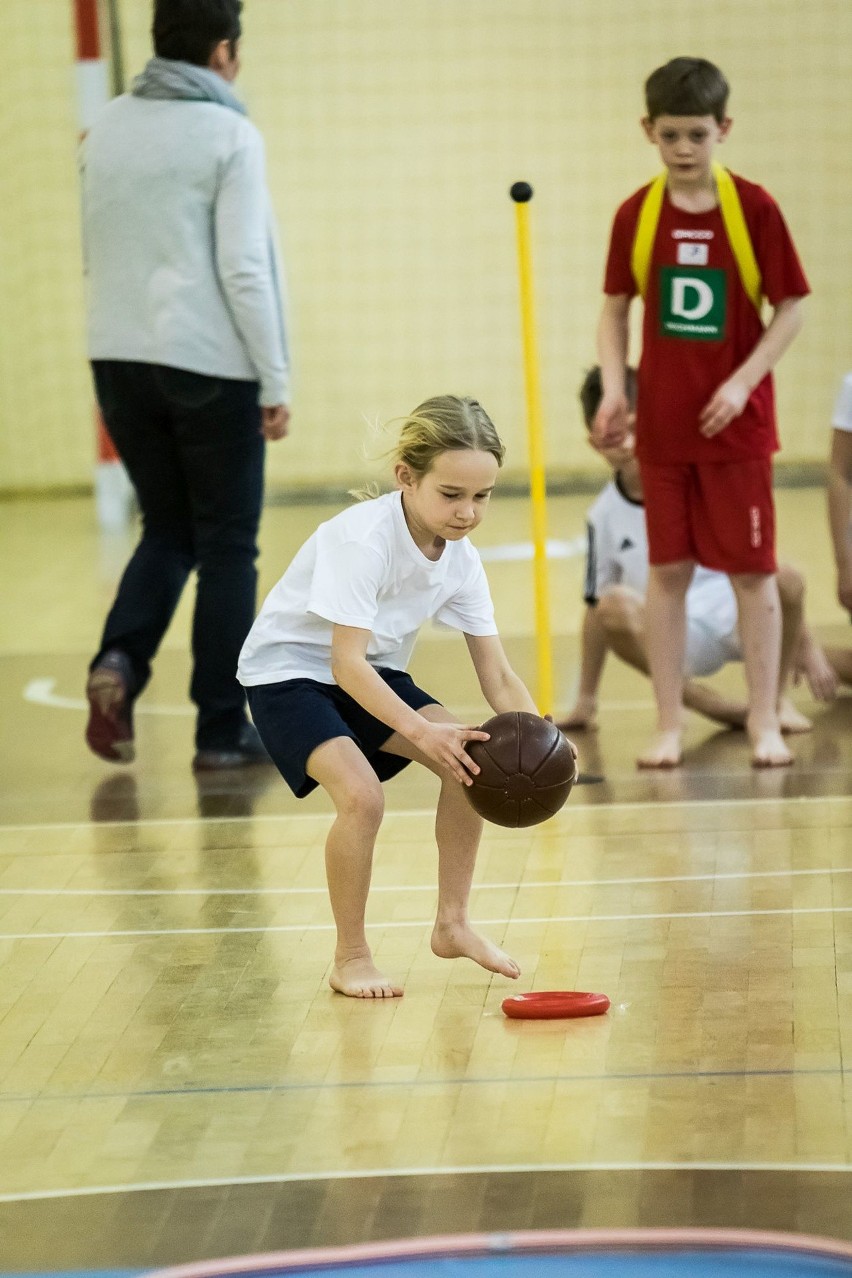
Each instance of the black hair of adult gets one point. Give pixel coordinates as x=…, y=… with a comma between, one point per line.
x=591, y=392
x=189, y=30
x=687, y=86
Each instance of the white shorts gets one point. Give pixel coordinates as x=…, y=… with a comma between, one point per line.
x=707, y=650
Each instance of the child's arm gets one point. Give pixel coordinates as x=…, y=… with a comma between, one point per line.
x=501, y=687
x=611, y=424
x=442, y=742
x=840, y=512
x=593, y=650
x=729, y=399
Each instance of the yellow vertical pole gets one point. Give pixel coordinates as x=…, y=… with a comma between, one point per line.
x=521, y=193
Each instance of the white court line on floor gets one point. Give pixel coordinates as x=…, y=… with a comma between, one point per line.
x=513, y=552
x=40, y=692
x=668, y=805
x=375, y=925
x=322, y=890
x=486, y=1169
x=159, y=822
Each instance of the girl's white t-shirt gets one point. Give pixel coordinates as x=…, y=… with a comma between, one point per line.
x=363, y=569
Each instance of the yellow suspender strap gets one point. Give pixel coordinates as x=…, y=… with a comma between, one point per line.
x=646, y=233
x=733, y=220
x=738, y=236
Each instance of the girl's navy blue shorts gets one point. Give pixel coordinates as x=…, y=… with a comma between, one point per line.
x=296, y=716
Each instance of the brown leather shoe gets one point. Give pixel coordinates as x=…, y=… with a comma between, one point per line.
x=109, y=732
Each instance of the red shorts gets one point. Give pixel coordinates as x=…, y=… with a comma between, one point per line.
x=719, y=514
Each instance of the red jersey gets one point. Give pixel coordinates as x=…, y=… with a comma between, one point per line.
x=699, y=324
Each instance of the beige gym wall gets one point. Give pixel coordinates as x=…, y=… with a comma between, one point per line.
x=394, y=129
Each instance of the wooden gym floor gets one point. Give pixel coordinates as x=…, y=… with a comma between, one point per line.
x=177, y=1080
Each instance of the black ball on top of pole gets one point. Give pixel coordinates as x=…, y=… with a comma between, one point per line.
x=521, y=193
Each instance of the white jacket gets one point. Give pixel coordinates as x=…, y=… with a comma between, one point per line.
x=179, y=245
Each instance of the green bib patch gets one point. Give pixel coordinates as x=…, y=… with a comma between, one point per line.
x=693, y=303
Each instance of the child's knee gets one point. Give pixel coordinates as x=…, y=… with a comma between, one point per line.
x=620, y=609
x=673, y=578
x=791, y=584
x=755, y=584
x=360, y=801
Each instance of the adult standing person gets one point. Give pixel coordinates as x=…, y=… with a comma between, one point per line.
x=188, y=347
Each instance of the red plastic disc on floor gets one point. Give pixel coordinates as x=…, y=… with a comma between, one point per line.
x=548, y=1005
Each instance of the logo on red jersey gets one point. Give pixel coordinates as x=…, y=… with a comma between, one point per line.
x=754, y=523
x=693, y=302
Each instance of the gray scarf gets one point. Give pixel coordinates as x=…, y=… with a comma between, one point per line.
x=168, y=78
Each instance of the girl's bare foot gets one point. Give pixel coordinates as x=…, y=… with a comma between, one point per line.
x=360, y=978
x=458, y=940
x=663, y=752
x=790, y=719
x=768, y=749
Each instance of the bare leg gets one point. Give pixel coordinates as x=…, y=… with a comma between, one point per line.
x=593, y=652
x=341, y=769
x=665, y=622
x=791, y=594
x=712, y=705
x=622, y=614
x=760, y=633
x=458, y=830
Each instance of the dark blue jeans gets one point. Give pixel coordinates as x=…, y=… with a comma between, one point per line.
x=194, y=450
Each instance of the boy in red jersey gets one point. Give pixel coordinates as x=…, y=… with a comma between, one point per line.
x=703, y=248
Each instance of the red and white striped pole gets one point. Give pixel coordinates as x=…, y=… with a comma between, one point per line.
x=113, y=490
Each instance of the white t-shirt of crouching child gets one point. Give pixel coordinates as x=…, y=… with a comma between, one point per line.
x=363, y=569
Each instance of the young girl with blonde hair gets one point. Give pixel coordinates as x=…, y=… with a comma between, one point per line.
x=325, y=671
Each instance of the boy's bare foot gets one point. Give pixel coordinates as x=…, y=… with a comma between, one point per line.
x=663, y=752
x=360, y=978
x=790, y=719
x=768, y=749
x=458, y=940
x=582, y=717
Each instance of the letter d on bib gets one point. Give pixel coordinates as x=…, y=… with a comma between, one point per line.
x=685, y=291
x=692, y=303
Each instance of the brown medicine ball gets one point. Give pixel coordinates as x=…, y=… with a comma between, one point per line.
x=526, y=773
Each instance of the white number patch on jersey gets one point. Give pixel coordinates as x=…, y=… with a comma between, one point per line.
x=692, y=254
